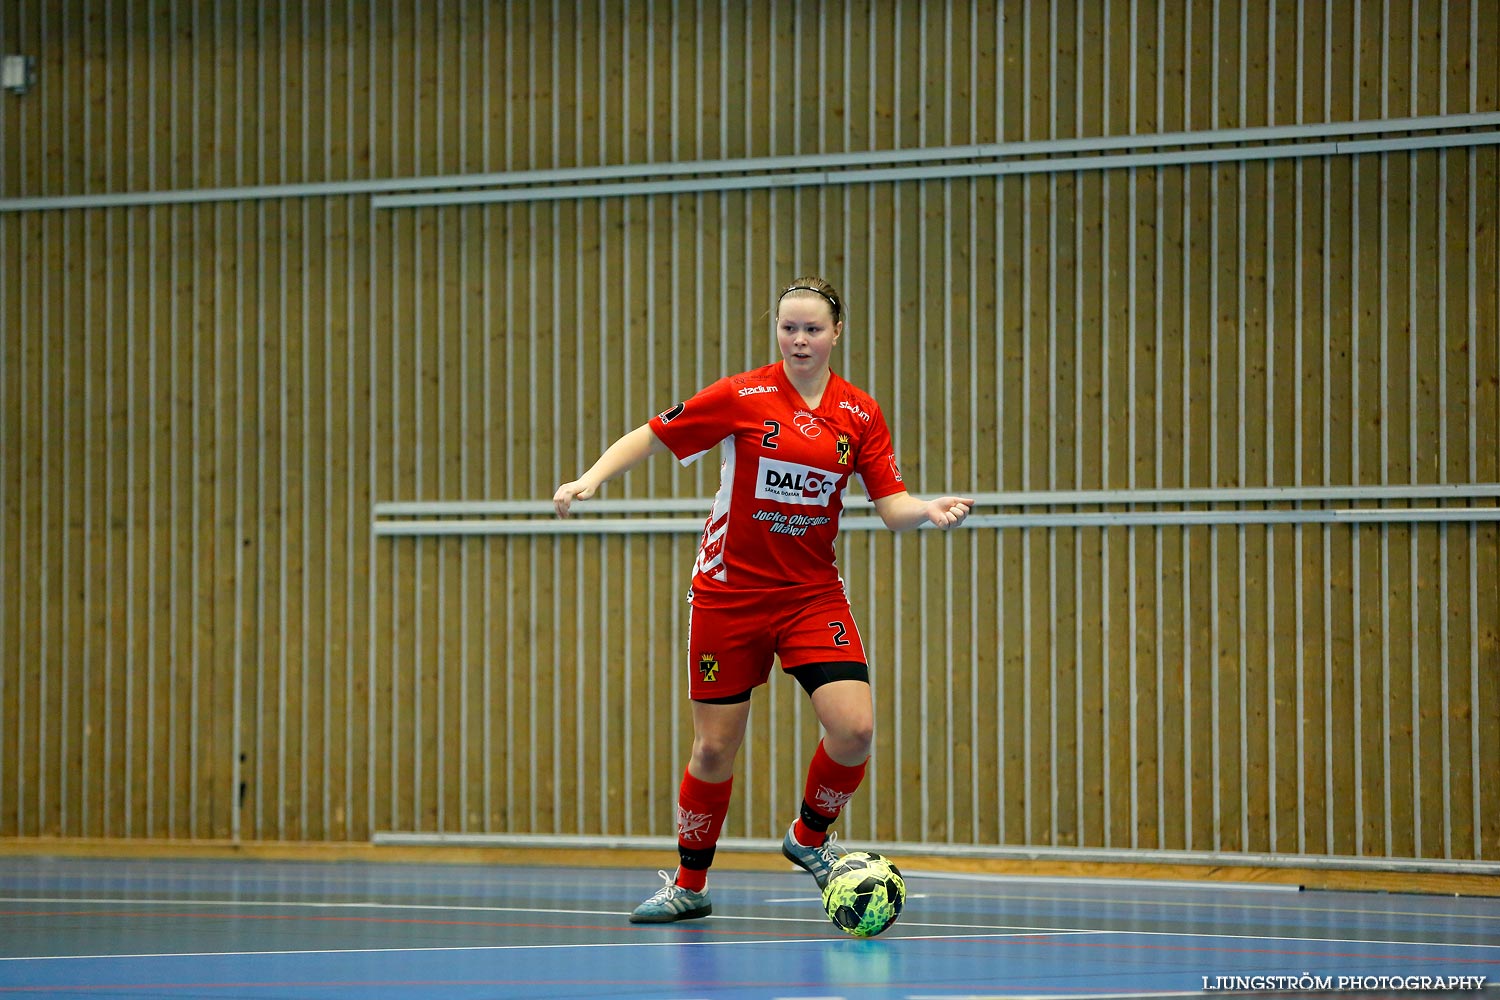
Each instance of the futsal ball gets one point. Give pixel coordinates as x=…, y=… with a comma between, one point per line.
x=865, y=894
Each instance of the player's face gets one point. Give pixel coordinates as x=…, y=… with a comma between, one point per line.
x=806, y=333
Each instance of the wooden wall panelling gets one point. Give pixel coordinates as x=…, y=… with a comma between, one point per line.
x=276, y=367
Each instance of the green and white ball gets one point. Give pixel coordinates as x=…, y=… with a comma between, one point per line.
x=865, y=894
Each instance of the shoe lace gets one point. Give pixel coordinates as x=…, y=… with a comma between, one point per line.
x=830, y=850
x=668, y=890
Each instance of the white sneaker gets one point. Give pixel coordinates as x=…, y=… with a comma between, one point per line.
x=817, y=860
x=672, y=902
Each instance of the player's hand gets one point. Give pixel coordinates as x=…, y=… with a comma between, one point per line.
x=949, y=512
x=562, y=500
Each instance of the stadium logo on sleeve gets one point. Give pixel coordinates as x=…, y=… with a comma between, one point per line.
x=788, y=482
x=708, y=667
x=844, y=404
x=667, y=416
x=841, y=446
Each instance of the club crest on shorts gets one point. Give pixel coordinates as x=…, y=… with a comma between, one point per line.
x=708, y=667
x=841, y=446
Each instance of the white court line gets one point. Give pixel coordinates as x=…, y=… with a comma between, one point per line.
x=427, y=907
x=1004, y=929
x=1077, y=996
x=1258, y=907
x=1132, y=883
x=1075, y=932
x=1069, y=996
x=1051, y=996
x=1135, y=883
x=814, y=899
x=746, y=917
x=498, y=947
x=1299, y=940
x=312, y=905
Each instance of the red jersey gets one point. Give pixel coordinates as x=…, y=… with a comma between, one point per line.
x=782, y=482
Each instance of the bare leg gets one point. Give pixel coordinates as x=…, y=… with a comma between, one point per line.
x=718, y=731
x=848, y=717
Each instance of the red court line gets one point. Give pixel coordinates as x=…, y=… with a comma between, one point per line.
x=406, y=983
x=1093, y=941
x=420, y=921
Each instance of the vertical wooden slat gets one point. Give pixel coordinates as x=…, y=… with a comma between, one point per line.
x=1168, y=294
x=474, y=748
x=341, y=376
x=317, y=651
x=44, y=776
x=1035, y=752
x=1256, y=445
x=63, y=469
x=244, y=440
x=104, y=538
x=91, y=764
x=28, y=550
x=400, y=702
x=215, y=773
x=219, y=785
x=21, y=510
x=1121, y=405
x=12, y=745
x=1090, y=665
x=1485, y=427
x=1199, y=324
x=263, y=445
x=199, y=763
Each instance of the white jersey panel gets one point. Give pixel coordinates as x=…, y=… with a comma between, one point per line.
x=710, y=562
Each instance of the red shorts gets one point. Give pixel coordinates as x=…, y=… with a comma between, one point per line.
x=730, y=651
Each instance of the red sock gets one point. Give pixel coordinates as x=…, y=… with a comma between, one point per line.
x=701, y=808
x=829, y=786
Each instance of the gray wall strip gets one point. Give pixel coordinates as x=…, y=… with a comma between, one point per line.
x=811, y=170
x=1323, y=862
x=652, y=525
x=1039, y=498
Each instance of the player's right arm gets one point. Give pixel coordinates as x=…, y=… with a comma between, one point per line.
x=624, y=454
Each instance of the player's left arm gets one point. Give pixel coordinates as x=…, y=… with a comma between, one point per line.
x=901, y=511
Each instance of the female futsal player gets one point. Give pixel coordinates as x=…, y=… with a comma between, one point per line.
x=765, y=583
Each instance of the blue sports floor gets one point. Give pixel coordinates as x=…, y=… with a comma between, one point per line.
x=258, y=929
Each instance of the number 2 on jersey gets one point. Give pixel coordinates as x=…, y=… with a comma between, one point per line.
x=768, y=440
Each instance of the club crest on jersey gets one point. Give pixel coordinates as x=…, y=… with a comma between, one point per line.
x=788, y=482
x=807, y=424
x=708, y=667
x=841, y=446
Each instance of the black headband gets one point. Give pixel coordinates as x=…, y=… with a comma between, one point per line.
x=816, y=291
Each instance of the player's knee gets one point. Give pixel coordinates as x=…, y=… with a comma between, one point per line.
x=850, y=740
x=713, y=755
